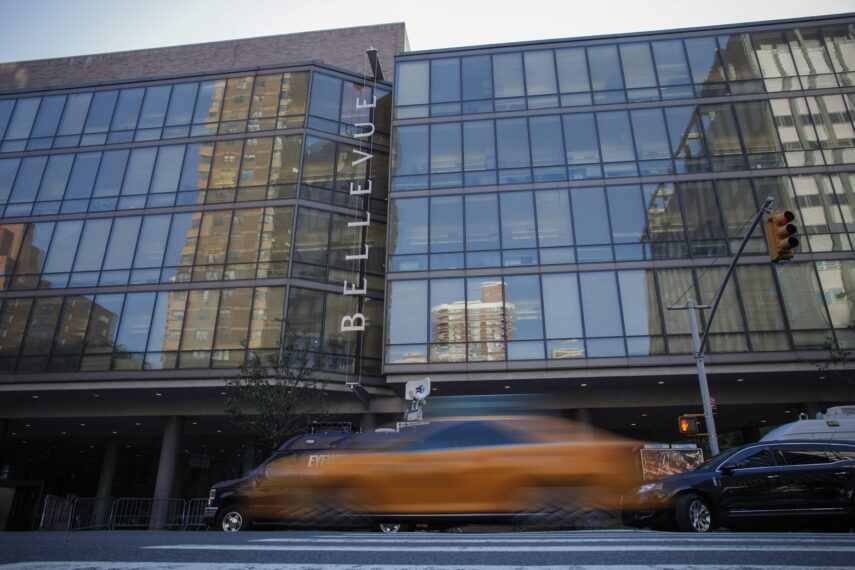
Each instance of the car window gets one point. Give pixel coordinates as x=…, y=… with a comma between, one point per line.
x=804, y=454
x=466, y=434
x=761, y=457
x=845, y=452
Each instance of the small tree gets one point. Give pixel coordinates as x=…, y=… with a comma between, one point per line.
x=276, y=397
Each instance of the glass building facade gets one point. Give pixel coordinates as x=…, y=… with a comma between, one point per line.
x=507, y=219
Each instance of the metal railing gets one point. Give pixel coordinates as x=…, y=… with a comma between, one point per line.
x=108, y=513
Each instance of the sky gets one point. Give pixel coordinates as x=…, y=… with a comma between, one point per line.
x=38, y=29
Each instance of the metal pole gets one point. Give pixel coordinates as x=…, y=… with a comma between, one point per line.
x=702, y=376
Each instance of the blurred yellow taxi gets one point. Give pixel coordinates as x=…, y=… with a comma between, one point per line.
x=543, y=471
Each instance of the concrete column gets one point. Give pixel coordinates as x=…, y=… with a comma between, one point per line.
x=105, y=481
x=169, y=452
x=367, y=422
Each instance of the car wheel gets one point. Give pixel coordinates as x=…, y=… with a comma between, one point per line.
x=391, y=528
x=693, y=514
x=233, y=518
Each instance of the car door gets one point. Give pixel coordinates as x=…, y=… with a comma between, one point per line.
x=812, y=478
x=750, y=482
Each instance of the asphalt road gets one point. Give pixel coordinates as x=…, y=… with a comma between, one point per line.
x=292, y=550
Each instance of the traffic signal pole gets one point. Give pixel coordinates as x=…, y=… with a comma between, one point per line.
x=699, y=341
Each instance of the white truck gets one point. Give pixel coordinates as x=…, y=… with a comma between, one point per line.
x=836, y=423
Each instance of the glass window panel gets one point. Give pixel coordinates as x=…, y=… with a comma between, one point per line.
x=64, y=244
x=139, y=171
x=448, y=320
x=553, y=218
x=55, y=177
x=154, y=106
x=335, y=341
x=238, y=97
x=615, y=136
x=276, y=233
x=840, y=45
x=101, y=335
x=547, y=144
x=836, y=279
x=605, y=68
x=637, y=65
x=265, y=96
x=525, y=314
x=539, y=72
x=809, y=52
x=93, y=244
x=802, y=296
x=670, y=62
x=444, y=80
x=833, y=124
x=412, y=151
x=42, y=325
x=773, y=54
x=255, y=165
x=213, y=237
x=6, y=108
x=101, y=112
x=572, y=70
x=703, y=59
x=720, y=129
x=293, y=94
x=409, y=226
x=168, y=168
x=675, y=286
x=199, y=319
x=182, y=239
x=639, y=303
x=82, y=177
x=482, y=222
x=48, y=118
x=702, y=211
x=445, y=150
x=304, y=307
x=29, y=178
x=686, y=136
x=208, y=101
x=167, y=318
x=517, y=220
x=479, y=149
x=71, y=332
x=155, y=230
x=728, y=317
x=477, y=78
x=285, y=162
x=580, y=136
x=233, y=317
x=326, y=97
x=406, y=305
x=589, y=215
x=136, y=320
x=8, y=170
x=22, y=118
x=446, y=224
x=738, y=207
x=111, y=173
x=31, y=259
x=123, y=241
x=738, y=57
x=225, y=164
x=651, y=138
x=411, y=87
x=600, y=304
x=759, y=131
x=127, y=109
x=319, y=162
x=487, y=318
x=181, y=104
x=245, y=235
x=508, y=75
x=197, y=165
x=563, y=314
x=512, y=143
x=626, y=210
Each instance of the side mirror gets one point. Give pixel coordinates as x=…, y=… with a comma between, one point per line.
x=727, y=469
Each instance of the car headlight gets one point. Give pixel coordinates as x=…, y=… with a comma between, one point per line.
x=649, y=487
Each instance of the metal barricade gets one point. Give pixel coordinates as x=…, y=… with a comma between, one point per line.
x=155, y=514
x=90, y=513
x=194, y=514
x=55, y=513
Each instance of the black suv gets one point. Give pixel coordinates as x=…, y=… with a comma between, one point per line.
x=767, y=481
x=229, y=502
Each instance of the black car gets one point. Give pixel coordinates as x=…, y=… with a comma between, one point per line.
x=780, y=481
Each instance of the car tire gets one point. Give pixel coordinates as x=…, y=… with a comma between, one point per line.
x=233, y=518
x=390, y=527
x=693, y=514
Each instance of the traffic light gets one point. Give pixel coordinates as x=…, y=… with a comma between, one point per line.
x=687, y=424
x=779, y=235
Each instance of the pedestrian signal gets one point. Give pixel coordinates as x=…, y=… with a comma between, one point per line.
x=687, y=424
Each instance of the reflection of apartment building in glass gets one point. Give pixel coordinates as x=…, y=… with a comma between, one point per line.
x=547, y=202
